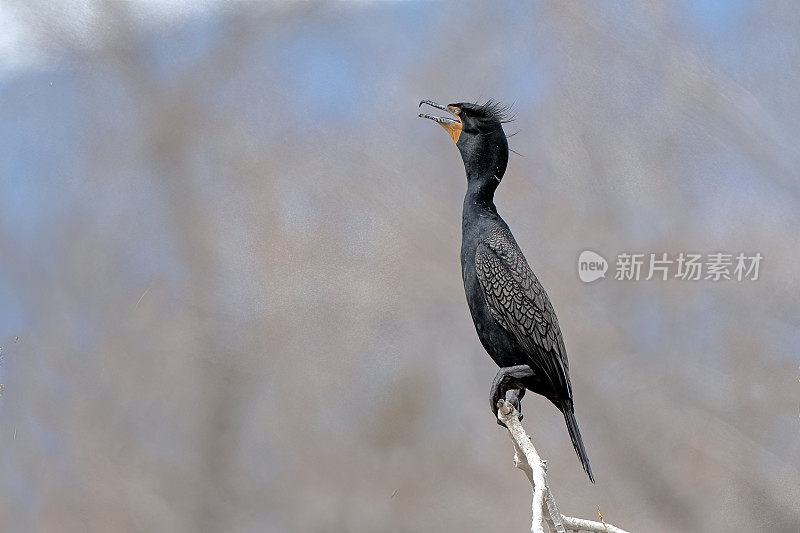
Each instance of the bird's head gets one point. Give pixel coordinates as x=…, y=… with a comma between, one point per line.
x=478, y=133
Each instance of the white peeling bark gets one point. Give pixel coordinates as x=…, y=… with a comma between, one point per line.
x=543, y=506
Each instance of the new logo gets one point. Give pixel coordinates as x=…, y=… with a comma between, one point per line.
x=591, y=266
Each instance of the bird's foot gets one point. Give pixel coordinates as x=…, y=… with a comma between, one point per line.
x=507, y=384
x=514, y=396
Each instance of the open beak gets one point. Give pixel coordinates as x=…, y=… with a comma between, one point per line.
x=451, y=125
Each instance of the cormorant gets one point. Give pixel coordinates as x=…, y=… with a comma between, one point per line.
x=512, y=313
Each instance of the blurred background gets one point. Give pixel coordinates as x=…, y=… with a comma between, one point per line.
x=230, y=279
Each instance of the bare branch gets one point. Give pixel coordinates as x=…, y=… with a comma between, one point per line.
x=527, y=459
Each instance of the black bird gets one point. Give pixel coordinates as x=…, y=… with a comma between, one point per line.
x=512, y=313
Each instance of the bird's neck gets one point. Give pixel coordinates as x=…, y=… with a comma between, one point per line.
x=480, y=194
x=481, y=186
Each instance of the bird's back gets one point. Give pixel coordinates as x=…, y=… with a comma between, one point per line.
x=512, y=313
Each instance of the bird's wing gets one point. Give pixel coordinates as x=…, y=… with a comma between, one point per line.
x=521, y=306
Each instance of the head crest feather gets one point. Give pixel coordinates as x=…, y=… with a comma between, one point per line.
x=494, y=110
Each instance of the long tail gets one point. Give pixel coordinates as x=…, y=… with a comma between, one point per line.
x=577, y=442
